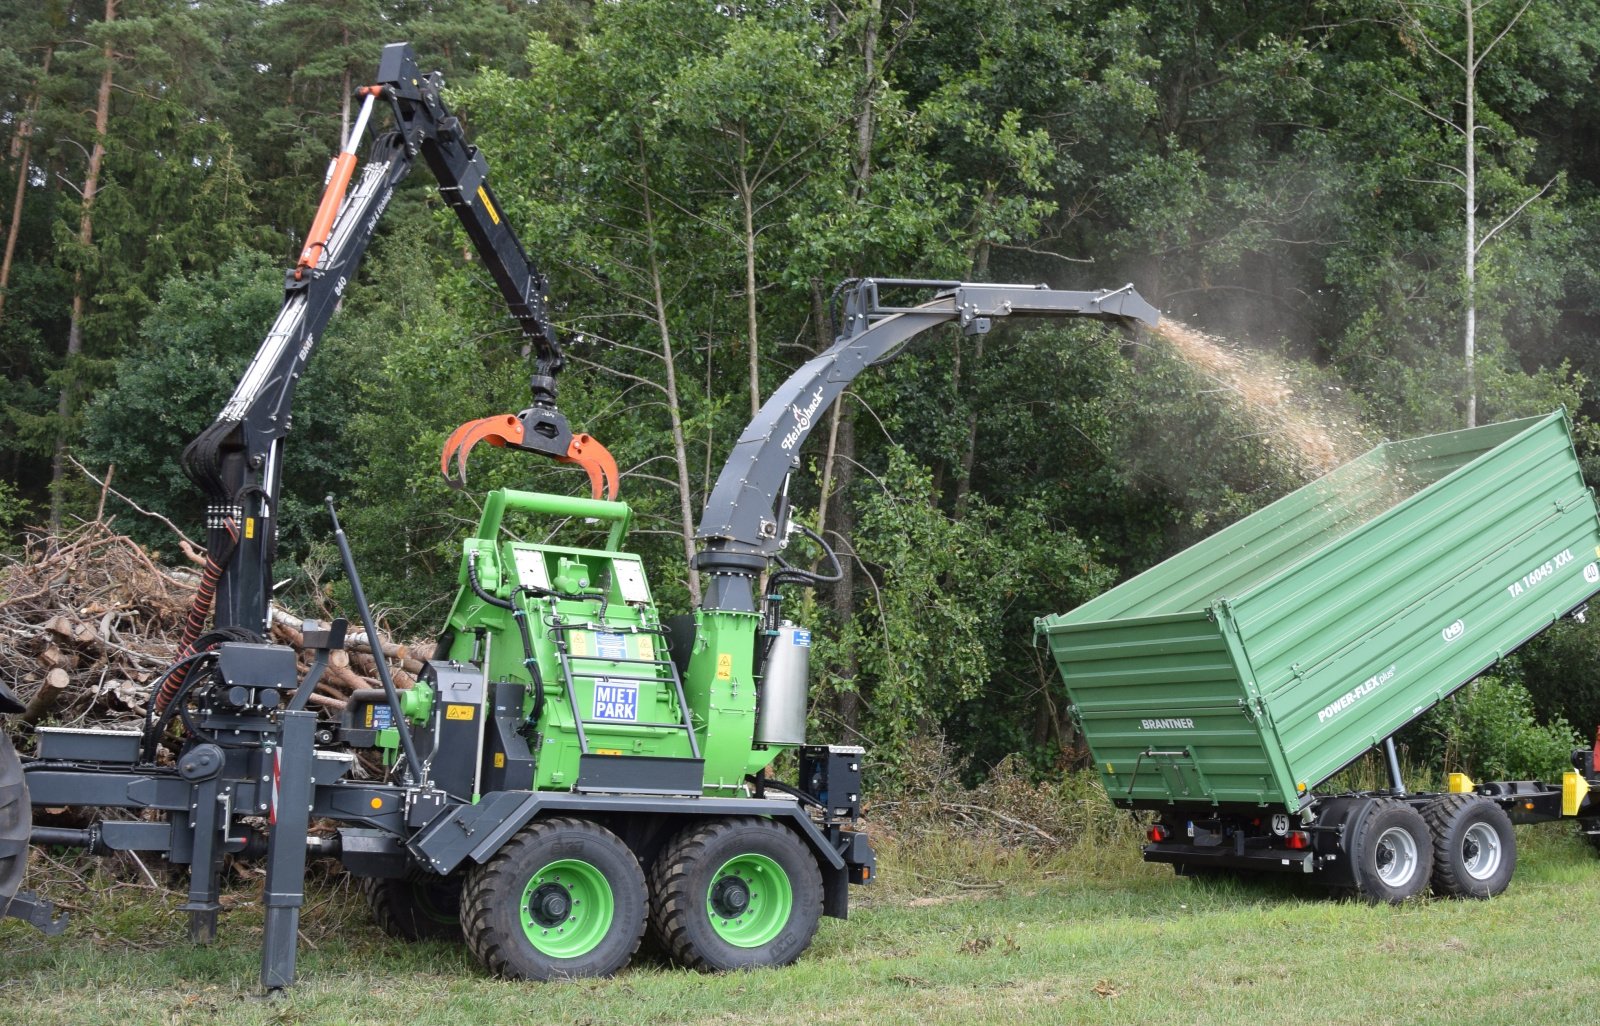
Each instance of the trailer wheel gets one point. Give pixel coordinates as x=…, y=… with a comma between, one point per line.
x=735, y=893
x=562, y=898
x=1392, y=852
x=16, y=822
x=1474, y=847
x=415, y=908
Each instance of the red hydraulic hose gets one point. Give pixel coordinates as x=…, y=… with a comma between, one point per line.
x=199, y=612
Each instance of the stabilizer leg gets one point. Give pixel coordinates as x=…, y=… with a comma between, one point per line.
x=286, y=849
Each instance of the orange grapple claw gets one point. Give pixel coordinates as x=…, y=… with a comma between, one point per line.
x=597, y=462
x=500, y=430
x=506, y=429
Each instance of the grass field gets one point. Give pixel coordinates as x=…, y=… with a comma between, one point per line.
x=1092, y=937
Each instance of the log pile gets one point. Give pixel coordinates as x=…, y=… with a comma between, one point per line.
x=88, y=621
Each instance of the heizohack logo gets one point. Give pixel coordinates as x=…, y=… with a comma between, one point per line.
x=1454, y=631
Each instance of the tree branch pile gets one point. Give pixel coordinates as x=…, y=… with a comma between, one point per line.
x=88, y=621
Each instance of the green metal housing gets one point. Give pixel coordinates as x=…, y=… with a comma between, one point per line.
x=1249, y=668
x=611, y=690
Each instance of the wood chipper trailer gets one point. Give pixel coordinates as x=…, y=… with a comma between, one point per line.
x=1223, y=687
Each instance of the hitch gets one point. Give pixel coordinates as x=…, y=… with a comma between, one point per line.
x=538, y=429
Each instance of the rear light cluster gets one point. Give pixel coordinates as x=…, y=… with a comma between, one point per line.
x=1298, y=840
x=1160, y=832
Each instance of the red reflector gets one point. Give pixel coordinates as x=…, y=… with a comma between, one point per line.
x=1159, y=833
x=1297, y=840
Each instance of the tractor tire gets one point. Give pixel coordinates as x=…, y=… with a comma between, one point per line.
x=563, y=898
x=735, y=893
x=16, y=822
x=1391, y=852
x=415, y=908
x=1474, y=847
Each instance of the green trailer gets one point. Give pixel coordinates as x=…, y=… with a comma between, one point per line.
x=1222, y=687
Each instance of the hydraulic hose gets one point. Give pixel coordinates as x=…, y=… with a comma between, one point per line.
x=199, y=612
x=529, y=661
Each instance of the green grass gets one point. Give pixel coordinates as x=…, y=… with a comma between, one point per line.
x=1092, y=937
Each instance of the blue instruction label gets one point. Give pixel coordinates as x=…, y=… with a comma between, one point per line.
x=802, y=638
x=610, y=646
x=616, y=702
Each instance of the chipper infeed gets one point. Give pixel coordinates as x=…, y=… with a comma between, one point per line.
x=1223, y=686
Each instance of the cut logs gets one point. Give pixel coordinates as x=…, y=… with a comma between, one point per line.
x=89, y=620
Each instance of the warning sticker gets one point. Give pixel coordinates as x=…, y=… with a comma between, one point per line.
x=616, y=701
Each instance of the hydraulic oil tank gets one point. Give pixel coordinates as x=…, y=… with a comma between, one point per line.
x=782, y=716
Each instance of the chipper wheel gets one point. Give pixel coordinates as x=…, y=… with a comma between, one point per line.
x=16, y=822
x=1392, y=852
x=563, y=898
x=735, y=893
x=419, y=907
x=1474, y=847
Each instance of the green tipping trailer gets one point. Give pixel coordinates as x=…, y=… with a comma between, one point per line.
x=1223, y=686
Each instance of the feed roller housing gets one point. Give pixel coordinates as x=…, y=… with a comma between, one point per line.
x=1249, y=668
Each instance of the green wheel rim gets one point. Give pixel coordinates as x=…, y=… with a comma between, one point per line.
x=749, y=900
x=567, y=909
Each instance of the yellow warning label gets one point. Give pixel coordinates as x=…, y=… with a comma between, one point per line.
x=725, y=666
x=580, y=643
x=494, y=214
x=647, y=648
x=608, y=751
x=249, y=527
x=459, y=712
x=369, y=717
x=499, y=760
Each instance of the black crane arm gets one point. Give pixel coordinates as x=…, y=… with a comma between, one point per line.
x=742, y=527
x=237, y=460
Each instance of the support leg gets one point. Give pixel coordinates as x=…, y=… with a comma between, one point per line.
x=205, y=866
x=286, y=848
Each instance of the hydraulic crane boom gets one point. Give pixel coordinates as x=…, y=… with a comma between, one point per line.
x=237, y=461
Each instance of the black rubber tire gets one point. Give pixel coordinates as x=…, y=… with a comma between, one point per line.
x=1460, y=824
x=416, y=908
x=680, y=887
x=1391, y=851
x=492, y=896
x=16, y=822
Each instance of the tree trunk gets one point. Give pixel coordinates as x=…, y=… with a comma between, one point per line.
x=1471, y=345
x=747, y=198
x=842, y=454
x=969, y=453
x=680, y=447
x=22, y=149
x=80, y=296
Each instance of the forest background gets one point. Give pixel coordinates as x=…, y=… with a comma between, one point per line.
x=696, y=179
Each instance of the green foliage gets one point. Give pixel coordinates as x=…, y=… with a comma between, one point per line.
x=173, y=383
x=1488, y=731
x=696, y=177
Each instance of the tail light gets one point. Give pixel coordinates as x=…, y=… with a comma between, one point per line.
x=1298, y=840
x=1158, y=833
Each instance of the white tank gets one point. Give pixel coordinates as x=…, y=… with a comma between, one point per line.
x=785, y=687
